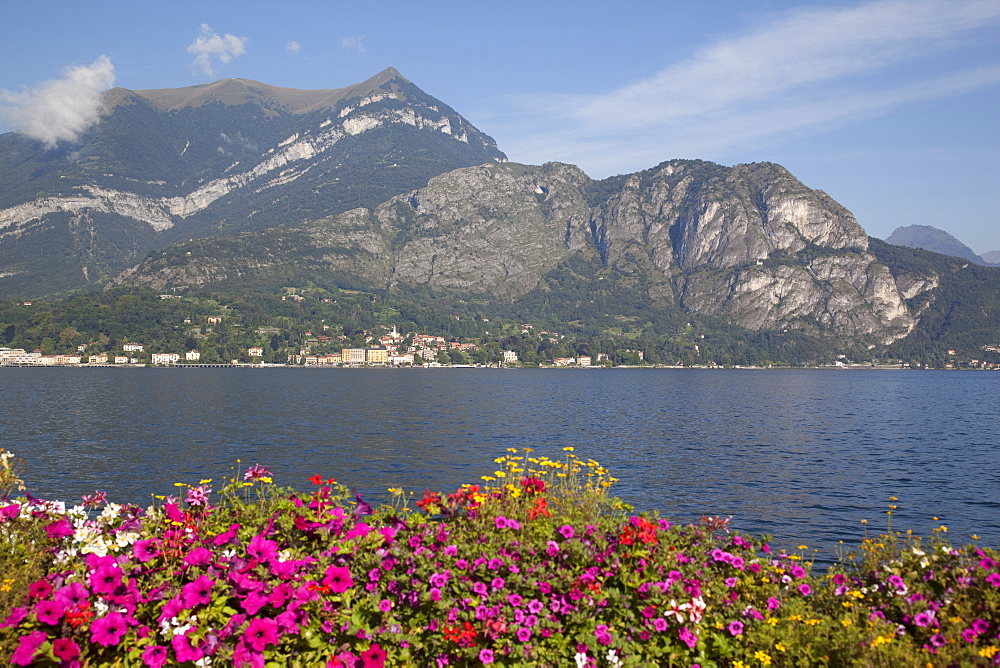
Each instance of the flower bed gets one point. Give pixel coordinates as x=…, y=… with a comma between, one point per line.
x=538, y=566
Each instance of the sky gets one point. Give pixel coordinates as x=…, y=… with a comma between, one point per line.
x=890, y=106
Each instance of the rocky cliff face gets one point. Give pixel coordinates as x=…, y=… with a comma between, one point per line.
x=750, y=244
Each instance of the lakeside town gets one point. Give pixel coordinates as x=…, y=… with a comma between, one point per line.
x=391, y=349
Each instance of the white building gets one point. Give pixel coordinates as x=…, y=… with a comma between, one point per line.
x=166, y=358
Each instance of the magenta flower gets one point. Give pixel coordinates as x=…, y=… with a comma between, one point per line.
x=262, y=548
x=184, y=650
x=925, y=618
x=497, y=583
x=155, y=656
x=385, y=605
x=39, y=589
x=65, y=649
x=49, y=612
x=10, y=512
x=108, y=630
x=993, y=579
x=603, y=634
x=260, y=633
x=72, y=595
x=199, y=556
x=255, y=473
x=660, y=624
x=524, y=634
x=500, y=522
x=688, y=638
x=567, y=531
x=805, y=589
x=373, y=657
x=198, y=496
x=338, y=579
x=980, y=626
x=27, y=646
x=106, y=579
x=145, y=550
x=59, y=529
x=485, y=655
x=735, y=628
x=198, y=592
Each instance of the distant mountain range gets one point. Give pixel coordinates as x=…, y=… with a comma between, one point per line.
x=939, y=241
x=164, y=166
x=378, y=187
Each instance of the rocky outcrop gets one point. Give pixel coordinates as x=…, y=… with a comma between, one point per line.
x=749, y=244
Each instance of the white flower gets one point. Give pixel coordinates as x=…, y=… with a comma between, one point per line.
x=613, y=658
x=581, y=660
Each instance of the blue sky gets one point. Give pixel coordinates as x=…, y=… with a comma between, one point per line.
x=890, y=106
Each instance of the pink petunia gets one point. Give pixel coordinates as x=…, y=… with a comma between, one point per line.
x=145, y=550
x=338, y=579
x=49, y=612
x=108, y=630
x=155, y=656
x=485, y=655
x=260, y=633
x=373, y=657
x=198, y=592
x=106, y=579
x=184, y=650
x=66, y=649
x=27, y=646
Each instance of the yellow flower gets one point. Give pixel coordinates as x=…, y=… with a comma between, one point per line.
x=989, y=652
x=739, y=664
x=780, y=647
x=881, y=640
x=180, y=484
x=499, y=474
x=205, y=481
x=568, y=448
x=845, y=622
x=763, y=657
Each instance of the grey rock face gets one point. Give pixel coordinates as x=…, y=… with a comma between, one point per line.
x=749, y=243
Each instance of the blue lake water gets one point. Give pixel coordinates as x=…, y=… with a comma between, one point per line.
x=803, y=455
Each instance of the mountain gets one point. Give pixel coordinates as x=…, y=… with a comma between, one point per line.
x=933, y=239
x=749, y=245
x=992, y=257
x=164, y=166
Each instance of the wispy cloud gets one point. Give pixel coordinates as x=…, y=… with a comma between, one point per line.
x=61, y=109
x=809, y=68
x=293, y=47
x=210, y=49
x=354, y=43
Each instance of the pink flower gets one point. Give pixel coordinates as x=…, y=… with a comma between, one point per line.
x=688, y=638
x=262, y=549
x=338, y=579
x=184, y=650
x=385, y=605
x=255, y=473
x=108, y=630
x=500, y=522
x=735, y=628
x=373, y=657
x=49, y=612
x=805, y=589
x=260, y=633
x=198, y=592
x=59, y=529
x=145, y=550
x=66, y=649
x=72, y=595
x=106, y=579
x=567, y=531
x=155, y=656
x=198, y=496
x=485, y=655
x=27, y=646
x=199, y=556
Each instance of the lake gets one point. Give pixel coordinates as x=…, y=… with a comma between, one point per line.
x=803, y=455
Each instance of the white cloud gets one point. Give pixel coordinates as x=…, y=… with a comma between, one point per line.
x=61, y=109
x=293, y=47
x=808, y=68
x=210, y=49
x=355, y=43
